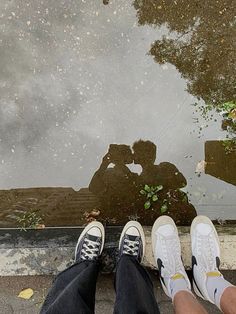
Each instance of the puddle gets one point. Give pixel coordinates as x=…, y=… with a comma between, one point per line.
x=116, y=110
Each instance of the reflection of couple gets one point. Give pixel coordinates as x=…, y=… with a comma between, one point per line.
x=118, y=187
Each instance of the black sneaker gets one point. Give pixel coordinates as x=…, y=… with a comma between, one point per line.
x=132, y=240
x=90, y=243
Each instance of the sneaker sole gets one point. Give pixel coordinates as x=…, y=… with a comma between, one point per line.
x=86, y=229
x=198, y=293
x=137, y=225
x=195, y=222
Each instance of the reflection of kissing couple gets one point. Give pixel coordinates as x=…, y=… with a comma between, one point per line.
x=118, y=187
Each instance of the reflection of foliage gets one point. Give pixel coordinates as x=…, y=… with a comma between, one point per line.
x=151, y=193
x=229, y=109
x=228, y=112
x=29, y=219
x=204, y=51
x=229, y=146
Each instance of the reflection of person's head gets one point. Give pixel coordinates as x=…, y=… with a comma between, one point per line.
x=144, y=152
x=120, y=154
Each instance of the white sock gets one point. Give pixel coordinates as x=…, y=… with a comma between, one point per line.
x=177, y=285
x=215, y=287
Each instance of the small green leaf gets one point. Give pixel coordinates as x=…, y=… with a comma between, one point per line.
x=159, y=187
x=143, y=192
x=147, y=188
x=154, y=198
x=147, y=205
x=149, y=194
x=163, y=208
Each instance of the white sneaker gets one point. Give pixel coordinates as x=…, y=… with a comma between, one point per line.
x=205, y=254
x=167, y=253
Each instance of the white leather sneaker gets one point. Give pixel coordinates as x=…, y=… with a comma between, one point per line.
x=167, y=253
x=205, y=254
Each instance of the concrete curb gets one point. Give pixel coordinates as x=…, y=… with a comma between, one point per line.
x=40, y=253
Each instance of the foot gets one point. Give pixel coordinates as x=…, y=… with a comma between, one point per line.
x=90, y=243
x=132, y=240
x=205, y=255
x=167, y=254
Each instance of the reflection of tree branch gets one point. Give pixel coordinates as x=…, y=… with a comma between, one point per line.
x=183, y=34
x=206, y=59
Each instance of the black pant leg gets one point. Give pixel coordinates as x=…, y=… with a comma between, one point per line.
x=73, y=290
x=134, y=288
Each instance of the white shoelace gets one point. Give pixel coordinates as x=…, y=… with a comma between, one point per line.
x=89, y=250
x=207, y=258
x=172, y=259
x=131, y=247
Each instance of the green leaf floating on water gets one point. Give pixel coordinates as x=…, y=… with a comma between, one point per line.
x=147, y=188
x=159, y=188
x=154, y=198
x=147, y=204
x=163, y=208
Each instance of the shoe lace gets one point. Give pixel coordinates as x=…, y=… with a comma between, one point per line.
x=131, y=247
x=205, y=246
x=172, y=258
x=89, y=250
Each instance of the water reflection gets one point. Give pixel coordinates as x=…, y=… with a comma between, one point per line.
x=76, y=76
x=156, y=190
x=115, y=186
x=204, y=48
x=219, y=163
x=115, y=194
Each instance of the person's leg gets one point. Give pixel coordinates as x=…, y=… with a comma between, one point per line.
x=167, y=254
x=185, y=302
x=73, y=290
x=228, y=301
x=134, y=289
x=208, y=282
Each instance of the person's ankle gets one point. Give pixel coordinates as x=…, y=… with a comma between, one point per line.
x=183, y=294
x=226, y=297
x=177, y=285
x=216, y=287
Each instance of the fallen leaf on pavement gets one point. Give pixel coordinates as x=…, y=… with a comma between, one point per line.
x=26, y=294
x=40, y=226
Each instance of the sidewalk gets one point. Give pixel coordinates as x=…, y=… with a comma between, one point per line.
x=11, y=286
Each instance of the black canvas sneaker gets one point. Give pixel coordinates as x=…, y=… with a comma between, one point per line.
x=132, y=240
x=90, y=243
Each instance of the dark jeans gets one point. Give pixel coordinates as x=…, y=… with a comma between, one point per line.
x=73, y=290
